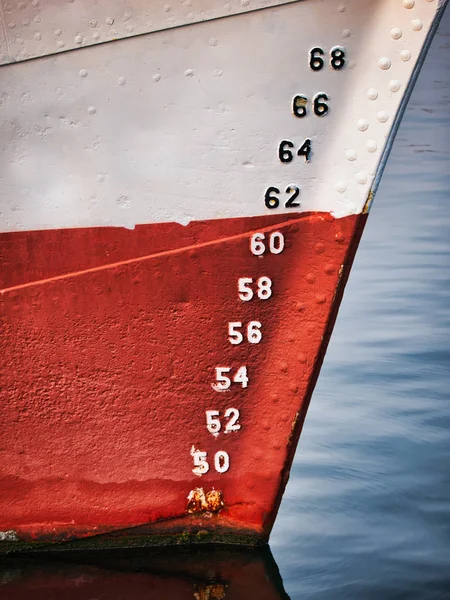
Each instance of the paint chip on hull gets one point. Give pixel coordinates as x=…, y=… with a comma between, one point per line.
x=8, y=536
x=199, y=502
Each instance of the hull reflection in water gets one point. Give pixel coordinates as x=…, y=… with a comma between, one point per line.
x=206, y=573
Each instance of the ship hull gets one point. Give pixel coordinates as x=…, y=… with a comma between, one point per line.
x=113, y=358
x=182, y=200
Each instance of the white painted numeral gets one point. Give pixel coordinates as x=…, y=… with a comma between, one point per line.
x=254, y=335
x=221, y=461
x=201, y=465
x=245, y=292
x=241, y=376
x=234, y=335
x=233, y=415
x=213, y=424
x=264, y=288
x=276, y=243
x=224, y=382
x=256, y=244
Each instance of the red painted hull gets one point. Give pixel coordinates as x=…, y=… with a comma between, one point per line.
x=111, y=338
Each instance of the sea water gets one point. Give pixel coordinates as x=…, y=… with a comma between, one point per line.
x=366, y=513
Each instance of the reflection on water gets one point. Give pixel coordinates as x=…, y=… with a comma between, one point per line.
x=206, y=573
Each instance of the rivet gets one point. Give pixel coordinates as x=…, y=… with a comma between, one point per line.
x=156, y=77
x=396, y=33
x=293, y=387
x=121, y=80
x=11, y=25
x=300, y=306
x=394, y=85
x=371, y=145
x=213, y=42
x=405, y=55
x=79, y=39
x=284, y=367
x=245, y=2
x=217, y=73
x=275, y=398
x=291, y=337
x=129, y=28
x=123, y=201
x=339, y=237
x=101, y=178
x=60, y=44
x=321, y=299
x=93, y=23
x=37, y=19
x=127, y=16
x=109, y=20
x=408, y=3
x=95, y=35
x=166, y=8
x=83, y=73
x=329, y=269
x=362, y=124
x=192, y=254
x=382, y=116
x=294, y=228
x=302, y=358
x=266, y=425
x=384, y=63
x=285, y=417
x=372, y=94
x=319, y=248
x=345, y=34
x=341, y=186
x=350, y=154
x=92, y=110
x=341, y=8
x=37, y=36
x=189, y=73
x=58, y=32
x=310, y=278
x=416, y=24
x=276, y=446
x=35, y=3
x=311, y=328
x=361, y=177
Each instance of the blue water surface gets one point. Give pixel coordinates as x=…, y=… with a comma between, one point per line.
x=366, y=513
